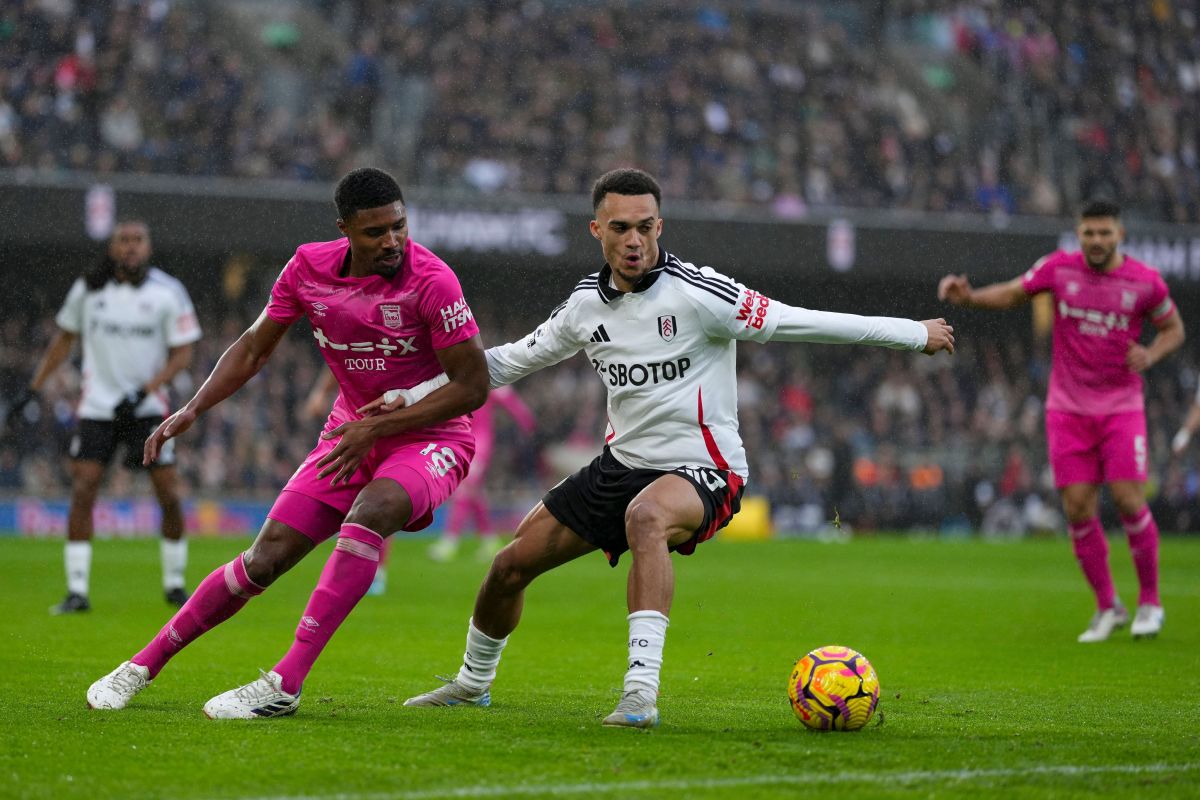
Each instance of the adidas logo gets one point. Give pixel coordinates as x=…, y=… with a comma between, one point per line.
x=600, y=335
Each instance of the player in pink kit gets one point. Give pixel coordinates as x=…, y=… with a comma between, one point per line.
x=1095, y=419
x=386, y=314
x=471, y=498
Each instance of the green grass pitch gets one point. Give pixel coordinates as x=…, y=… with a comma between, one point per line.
x=985, y=692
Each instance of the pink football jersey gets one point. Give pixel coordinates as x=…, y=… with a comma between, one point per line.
x=1097, y=316
x=375, y=333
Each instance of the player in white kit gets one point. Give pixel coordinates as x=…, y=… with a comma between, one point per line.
x=136, y=325
x=661, y=334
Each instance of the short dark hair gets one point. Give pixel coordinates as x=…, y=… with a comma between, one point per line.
x=1100, y=208
x=625, y=181
x=365, y=187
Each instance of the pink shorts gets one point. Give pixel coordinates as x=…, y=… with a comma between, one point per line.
x=1096, y=449
x=428, y=465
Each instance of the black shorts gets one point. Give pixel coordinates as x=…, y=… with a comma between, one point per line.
x=98, y=440
x=592, y=502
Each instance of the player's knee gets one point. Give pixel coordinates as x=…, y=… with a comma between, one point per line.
x=270, y=557
x=84, y=490
x=381, y=510
x=507, y=575
x=645, y=525
x=1129, y=504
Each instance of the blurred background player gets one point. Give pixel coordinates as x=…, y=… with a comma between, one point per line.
x=1186, y=431
x=136, y=325
x=382, y=309
x=1095, y=417
x=470, y=501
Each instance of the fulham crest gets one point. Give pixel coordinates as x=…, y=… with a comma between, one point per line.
x=666, y=328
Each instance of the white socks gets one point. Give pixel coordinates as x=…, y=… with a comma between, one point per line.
x=174, y=554
x=479, y=662
x=77, y=559
x=647, y=633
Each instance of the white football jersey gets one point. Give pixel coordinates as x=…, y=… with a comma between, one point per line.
x=127, y=332
x=666, y=353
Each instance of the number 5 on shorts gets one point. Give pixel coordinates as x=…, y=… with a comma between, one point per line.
x=442, y=459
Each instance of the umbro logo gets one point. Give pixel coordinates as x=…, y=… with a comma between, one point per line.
x=309, y=622
x=600, y=335
x=320, y=308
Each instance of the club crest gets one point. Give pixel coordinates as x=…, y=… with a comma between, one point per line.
x=666, y=328
x=391, y=315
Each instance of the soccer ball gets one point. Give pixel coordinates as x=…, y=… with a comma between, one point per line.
x=834, y=688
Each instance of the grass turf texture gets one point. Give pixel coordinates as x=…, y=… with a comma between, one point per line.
x=985, y=691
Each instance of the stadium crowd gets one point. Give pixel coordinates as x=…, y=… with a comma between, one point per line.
x=985, y=107
x=892, y=441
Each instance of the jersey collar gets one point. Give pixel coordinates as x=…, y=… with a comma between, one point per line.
x=608, y=292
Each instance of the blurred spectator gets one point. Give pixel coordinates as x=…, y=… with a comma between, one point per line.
x=970, y=107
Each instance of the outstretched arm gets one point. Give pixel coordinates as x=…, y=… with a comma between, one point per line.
x=805, y=325
x=957, y=290
x=240, y=363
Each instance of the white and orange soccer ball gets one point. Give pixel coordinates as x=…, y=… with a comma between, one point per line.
x=834, y=688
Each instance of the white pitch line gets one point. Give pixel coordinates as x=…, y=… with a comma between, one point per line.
x=696, y=784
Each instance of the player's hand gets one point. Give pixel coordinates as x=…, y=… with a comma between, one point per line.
x=1137, y=358
x=18, y=406
x=1180, y=442
x=388, y=401
x=124, y=410
x=347, y=455
x=171, y=427
x=941, y=336
x=954, y=289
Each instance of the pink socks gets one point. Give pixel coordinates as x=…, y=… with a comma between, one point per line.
x=1142, y=532
x=344, y=581
x=218, y=597
x=1091, y=551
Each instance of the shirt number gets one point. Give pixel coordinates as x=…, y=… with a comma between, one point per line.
x=441, y=458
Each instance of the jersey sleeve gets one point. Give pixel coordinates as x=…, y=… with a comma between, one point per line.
x=1159, y=305
x=70, y=316
x=1040, y=277
x=553, y=341
x=757, y=318
x=284, y=306
x=180, y=323
x=445, y=310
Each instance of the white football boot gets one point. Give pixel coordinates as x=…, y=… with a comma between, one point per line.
x=258, y=699
x=452, y=694
x=1104, y=623
x=636, y=710
x=1148, y=621
x=444, y=550
x=118, y=687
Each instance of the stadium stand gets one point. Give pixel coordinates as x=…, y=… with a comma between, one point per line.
x=994, y=108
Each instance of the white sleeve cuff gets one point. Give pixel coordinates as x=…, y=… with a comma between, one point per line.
x=416, y=393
